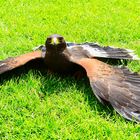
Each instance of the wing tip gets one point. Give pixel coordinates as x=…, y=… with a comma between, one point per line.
x=4, y=66
x=131, y=54
x=131, y=116
x=135, y=57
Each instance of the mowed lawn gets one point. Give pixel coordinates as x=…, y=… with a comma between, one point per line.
x=40, y=106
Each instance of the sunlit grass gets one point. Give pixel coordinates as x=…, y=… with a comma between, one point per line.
x=39, y=106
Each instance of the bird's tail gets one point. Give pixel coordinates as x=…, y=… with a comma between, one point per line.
x=12, y=63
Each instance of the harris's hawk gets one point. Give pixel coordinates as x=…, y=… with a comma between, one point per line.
x=116, y=85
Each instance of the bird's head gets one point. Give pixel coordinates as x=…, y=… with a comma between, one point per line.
x=55, y=43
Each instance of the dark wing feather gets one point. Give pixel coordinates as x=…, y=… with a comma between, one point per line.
x=12, y=63
x=118, y=86
x=94, y=50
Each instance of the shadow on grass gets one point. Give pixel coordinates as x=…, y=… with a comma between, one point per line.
x=61, y=82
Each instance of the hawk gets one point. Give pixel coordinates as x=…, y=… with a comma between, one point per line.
x=113, y=84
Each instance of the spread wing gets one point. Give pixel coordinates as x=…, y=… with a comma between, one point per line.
x=14, y=62
x=118, y=86
x=95, y=50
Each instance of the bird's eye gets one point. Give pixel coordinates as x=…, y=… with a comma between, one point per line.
x=61, y=39
x=49, y=40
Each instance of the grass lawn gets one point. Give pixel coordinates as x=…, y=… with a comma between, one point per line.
x=35, y=106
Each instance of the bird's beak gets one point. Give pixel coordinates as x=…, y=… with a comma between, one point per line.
x=54, y=41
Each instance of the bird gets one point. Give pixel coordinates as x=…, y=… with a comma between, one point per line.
x=112, y=84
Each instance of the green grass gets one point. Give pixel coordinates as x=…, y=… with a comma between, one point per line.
x=38, y=106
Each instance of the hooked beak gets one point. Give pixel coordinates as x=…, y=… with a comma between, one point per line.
x=54, y=41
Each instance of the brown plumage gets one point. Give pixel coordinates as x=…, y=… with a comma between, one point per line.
x=116, y=85
x=12, y=63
